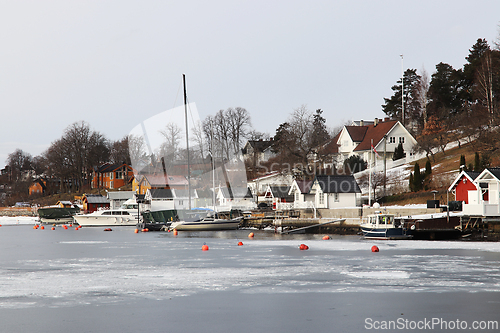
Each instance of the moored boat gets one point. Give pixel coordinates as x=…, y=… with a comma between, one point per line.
x=207, y=223
x=58, y=214
x=111, y=217
x=383, y=226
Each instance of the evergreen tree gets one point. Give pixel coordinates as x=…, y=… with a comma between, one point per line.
x=417, y=178
x=354, y=164
x=477, y=163
x=411, y=182
x=319, y=135
x=462, y=164
x=428, y=168
x=398, y=152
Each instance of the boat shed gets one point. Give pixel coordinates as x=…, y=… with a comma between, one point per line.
x=93, y=202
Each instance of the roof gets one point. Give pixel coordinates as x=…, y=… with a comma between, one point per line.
x=304, y=185
x=332, y=147
x=375, y=133
x=162, y=180
x=111, y=167
x=237, y=192
x=120, y=195
x=184, y=193
x=471, y=175
x=280, y=191
x=96, y=199
x=258, y=145
x=338, y=184
x=495, y=172
x=357, y=133
x=161, y=194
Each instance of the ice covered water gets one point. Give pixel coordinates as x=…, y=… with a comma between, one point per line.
x=68, y=267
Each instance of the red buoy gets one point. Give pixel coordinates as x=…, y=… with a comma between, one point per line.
x=42, y=227
x=326, y=237
x=108, y=229
x=240, y=243
x=204, y=247
x=375, y=248
x=303, y=247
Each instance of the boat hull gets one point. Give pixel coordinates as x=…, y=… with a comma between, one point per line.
x=384, y=233
x=97, y=221
x=57, y=215
x=213, y=225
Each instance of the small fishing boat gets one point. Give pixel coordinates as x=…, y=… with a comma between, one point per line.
x=383, y=226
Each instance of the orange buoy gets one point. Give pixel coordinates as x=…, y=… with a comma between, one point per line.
x=176, y=232
x=375, y=248
x=326, y=237
x=250, y=235
x=303, y=247
x=240, y=243
x=71, y=226
x=42, y=227
x=136, y=231
x=76, y=228
x=204, y=247
x=53, y=228
x=145, y=230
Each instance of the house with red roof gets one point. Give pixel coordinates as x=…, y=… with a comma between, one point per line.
x=360, y=138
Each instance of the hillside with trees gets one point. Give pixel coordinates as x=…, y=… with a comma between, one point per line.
x=448, y=106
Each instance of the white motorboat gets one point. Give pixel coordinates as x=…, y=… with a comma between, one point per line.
x=207, y=223
x=127, y=215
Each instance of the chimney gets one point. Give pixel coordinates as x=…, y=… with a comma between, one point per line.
x=361, y=123
x=386, y=119
x=375, y=123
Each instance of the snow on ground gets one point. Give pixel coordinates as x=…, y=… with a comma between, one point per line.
x=14, y=220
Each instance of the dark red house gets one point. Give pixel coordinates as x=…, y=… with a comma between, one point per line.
x=463, y=184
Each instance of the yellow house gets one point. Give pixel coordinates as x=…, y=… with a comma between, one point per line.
x=142, y=183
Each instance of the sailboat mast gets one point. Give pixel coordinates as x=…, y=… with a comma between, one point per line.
x=187, y=140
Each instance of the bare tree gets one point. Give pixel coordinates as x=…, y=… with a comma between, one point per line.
x=172, y=134
x=120, y=151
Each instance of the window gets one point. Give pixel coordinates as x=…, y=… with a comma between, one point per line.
x=297, y=196
x=401, y=139
x=321, y=199
x=336, y=197
x=392, y=139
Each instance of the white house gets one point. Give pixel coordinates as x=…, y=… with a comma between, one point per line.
x=336, y=191
x=485, y=201
x=165, y=199
x=235, y=198
x=117, y=198
x=300, y=192
x=257, y=151
x=327, y=192
x=259, y=185
x=359, y=138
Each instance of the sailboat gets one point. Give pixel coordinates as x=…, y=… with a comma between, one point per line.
x=194, y=219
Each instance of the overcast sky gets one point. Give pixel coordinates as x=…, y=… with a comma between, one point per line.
x=116, y=63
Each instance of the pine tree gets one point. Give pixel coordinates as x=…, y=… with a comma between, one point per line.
x=477, y=163
x=398, y=152
x=411, y=182
x=462, y=164
x=417, y=178
x=428, y=168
